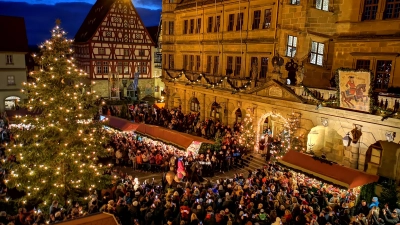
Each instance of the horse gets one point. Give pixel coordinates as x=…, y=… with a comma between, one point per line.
x=359, y=94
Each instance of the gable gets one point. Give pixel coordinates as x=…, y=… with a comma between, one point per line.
x=114, y=21
x=275, y=89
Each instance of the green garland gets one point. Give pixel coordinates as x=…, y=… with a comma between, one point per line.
x=320, y=101
x=371, y=86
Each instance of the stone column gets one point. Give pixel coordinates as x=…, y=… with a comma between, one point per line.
x=354, y=155
x=203, y=108
x=184, y=105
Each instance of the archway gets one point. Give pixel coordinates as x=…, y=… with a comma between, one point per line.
x=276, y=127
x=11, y=102
x=194, y=105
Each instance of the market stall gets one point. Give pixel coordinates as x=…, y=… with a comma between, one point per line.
x=180, y=140
x=325, y=170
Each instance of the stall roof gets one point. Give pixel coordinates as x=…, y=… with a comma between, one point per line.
x=337, y=174
x=163, y=134
x=94, y=219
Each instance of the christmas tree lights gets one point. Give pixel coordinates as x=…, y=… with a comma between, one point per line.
x=247, y=135
x=57, y=156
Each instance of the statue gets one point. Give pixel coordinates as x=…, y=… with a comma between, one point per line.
x=254, y=70
x=390, y=136
x=291, y=67
x=300, y=74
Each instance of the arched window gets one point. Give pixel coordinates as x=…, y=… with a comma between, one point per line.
x=238, y=115
x=215, y=110
x=194, y=105
x=11, y=102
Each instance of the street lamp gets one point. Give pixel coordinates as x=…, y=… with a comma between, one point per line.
x=346, y=140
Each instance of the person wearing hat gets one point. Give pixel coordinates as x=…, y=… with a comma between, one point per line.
x=351, y=85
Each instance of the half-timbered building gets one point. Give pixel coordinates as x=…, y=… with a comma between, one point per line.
x=113, y=40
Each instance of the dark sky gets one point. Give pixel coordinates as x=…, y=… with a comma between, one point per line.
x=40, y=18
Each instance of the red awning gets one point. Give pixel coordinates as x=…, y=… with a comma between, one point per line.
x=166, y=135
x=337, y=174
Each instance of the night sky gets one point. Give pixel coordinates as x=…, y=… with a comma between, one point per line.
x=40, y=15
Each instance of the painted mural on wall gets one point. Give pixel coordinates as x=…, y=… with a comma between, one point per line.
x=354, y=87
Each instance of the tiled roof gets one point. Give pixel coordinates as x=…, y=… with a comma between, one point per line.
x=93, y=20
x=13, y=37
x=153, y=32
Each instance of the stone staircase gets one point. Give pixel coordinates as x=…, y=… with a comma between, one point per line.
x=251, y=161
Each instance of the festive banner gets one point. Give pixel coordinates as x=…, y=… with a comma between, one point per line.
x=354, y=88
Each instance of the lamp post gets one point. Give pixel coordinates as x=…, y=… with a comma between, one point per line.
x=346, y=140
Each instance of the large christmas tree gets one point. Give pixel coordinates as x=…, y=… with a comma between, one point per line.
x=57, y=156
x=247, y=136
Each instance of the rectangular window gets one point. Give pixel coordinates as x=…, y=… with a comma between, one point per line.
x=191, y=63
x=10, y=80
x=126, y=52
x=217, y=23
x=102, y=51
x=141, y=52
x=392, y=9
x=295, y=2
x=253, y=62
x=119, y=67
x=144, y=68
x=267, y=19
x=291, y=46
x=256, y=19
x=216, y=64
x=171, y=61
x=238, y=65
x=9, y=59
x=185, y=62
x=126, y=68
x=198, y=27
x=370, y=9
x=98, y=68
x=185, y=26
x=105, y=67
x=317, y=53
x=322, y=5
x=210, y=24
x=171, y=27
x=229, y=65
x=209, y=64
x=139, y=68
x=382, y=74
x=191, y=28
x=231, y=22
x=239, y=24
x=164, y=27
x=198, y=63
x=264, y=67
x=363, y=64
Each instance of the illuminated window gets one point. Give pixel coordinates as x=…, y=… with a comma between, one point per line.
x=317, y=53
x=291, y=46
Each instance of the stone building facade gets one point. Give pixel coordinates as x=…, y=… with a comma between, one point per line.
x=226, y=59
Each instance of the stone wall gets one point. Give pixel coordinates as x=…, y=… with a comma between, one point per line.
x=145, y=86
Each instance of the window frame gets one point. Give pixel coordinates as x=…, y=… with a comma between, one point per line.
x=217, y=24
x=9, y=59
x=291, y=45
x=317, y=53
x=126, y=52
x=229, y=63
x=191, y=26
x=171, y=61
x=191, y=62
x=238, y=65
x=171, y=27
x=185, y=26
x=194, y=105
x=209, y=64
x=294, y=2
x=380, y=72
x=319, y=4
x=231, y=22
x=264, y=68
x=13, y=80
x=102, y=51
x=267, y=19
x=256, y=20
x=198, y=62
x=216, y=65
x=210, y=24
x=361, y=64
x=99, y=67
x=198, y=25
x=239, y=21
x=185, y=62
x=396, y=5
x=106, y=67
x=373, y=12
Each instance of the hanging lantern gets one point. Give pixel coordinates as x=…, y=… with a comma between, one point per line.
x=347, y=140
